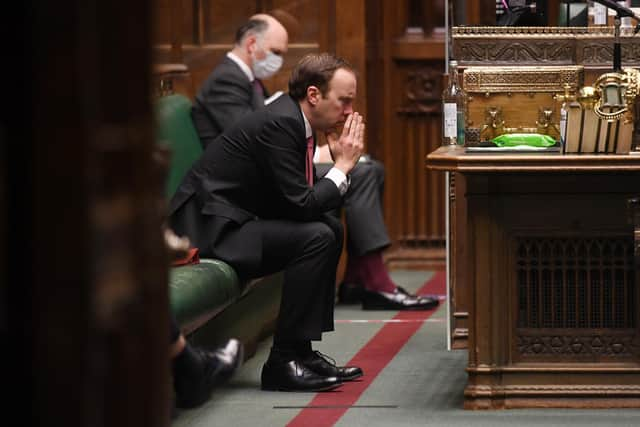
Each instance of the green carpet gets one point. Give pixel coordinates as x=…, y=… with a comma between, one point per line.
x=421, y=386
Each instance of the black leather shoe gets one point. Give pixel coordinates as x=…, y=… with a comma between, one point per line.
x=324, y=365
x=399, y=300
x=218, y=365
x=349, y=293
x=295, y=376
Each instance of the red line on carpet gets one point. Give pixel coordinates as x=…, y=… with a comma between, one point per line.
x=372, y=358
x=365, y=321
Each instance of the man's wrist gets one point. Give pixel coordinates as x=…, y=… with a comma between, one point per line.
x=344, y=167
x=339, y=178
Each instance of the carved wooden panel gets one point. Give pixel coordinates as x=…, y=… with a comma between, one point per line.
x=577, y=345
x=591, y=47
x=422, y=91
x=416, y=198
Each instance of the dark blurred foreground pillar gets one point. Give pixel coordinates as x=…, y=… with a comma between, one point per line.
x=83, y=303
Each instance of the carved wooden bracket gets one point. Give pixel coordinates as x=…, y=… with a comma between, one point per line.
x=423, y=90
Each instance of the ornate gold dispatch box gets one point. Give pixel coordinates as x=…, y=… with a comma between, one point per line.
x=516, y=99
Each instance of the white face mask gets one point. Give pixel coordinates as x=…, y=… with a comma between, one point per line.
x=267, y=67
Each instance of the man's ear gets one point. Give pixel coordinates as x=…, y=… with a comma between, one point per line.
x=250, y=44
x=313, y=95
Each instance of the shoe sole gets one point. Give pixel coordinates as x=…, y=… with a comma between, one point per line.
x=312, y=390
x=352, y=377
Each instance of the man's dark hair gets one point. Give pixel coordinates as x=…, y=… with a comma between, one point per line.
x=253, y=26
x=315, y=69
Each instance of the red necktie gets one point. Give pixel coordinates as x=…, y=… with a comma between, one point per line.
x=309, y=162
x=258, y=94
x=257, y=87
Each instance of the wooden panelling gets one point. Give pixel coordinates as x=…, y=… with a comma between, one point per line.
x=162, y=22
x=425, y=15
x=302, y=17
x=406, y=80
x=409, y=48
x=189, y=24
x=459, y=281
x=350, y=44
x=221, y=18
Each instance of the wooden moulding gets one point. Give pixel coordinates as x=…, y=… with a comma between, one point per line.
x=504, y=79
x=588, y=46
x=454, y=159
x=172, y=78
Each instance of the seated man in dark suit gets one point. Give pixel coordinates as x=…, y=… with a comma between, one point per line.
x=253, y=200
x=233, y=89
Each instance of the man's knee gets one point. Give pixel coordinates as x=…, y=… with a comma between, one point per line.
x=335, y=224
x=371, y=170
x=324, y=233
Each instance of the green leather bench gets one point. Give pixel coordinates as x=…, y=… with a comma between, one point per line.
x=208, y=300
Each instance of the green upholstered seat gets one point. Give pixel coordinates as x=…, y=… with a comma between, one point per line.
x=208, y=300
x=175, y=129
x=199, y=292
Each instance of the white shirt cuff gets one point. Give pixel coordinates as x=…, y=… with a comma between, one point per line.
x=339, y=179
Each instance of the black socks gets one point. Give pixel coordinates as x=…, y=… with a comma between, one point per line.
x=187, y=364
x=285, y=350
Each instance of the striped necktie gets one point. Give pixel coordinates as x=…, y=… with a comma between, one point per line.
x=309, y=161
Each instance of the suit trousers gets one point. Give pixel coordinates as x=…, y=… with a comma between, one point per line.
x=366, y=230
x=306, y=252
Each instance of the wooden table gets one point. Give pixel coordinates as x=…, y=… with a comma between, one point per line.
x=544, y=265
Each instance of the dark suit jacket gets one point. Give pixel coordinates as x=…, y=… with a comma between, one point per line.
x=254, y=170
x=224, y=97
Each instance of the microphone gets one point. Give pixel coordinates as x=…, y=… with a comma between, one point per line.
x=622, y=11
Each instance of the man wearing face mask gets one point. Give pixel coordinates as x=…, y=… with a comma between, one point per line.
x=234, y=87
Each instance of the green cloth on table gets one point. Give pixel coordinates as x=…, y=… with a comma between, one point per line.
x=527, y=139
